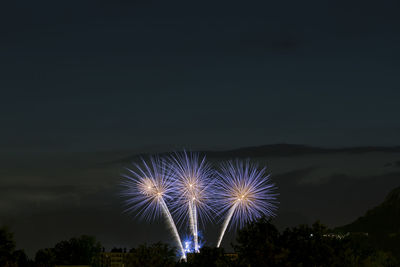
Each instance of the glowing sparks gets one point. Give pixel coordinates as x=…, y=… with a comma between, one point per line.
x=194, y=188
x=147, y=188
x=187, y=246
x=244, y=194
x=186, y=184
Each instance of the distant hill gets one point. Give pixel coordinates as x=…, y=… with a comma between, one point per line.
x=285, y=150
x=381, y=220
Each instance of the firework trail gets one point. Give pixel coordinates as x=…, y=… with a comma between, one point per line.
x=147, y=188
x=245, y=194
x=193, y=190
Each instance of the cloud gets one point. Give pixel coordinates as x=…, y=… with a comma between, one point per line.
x=19, y=198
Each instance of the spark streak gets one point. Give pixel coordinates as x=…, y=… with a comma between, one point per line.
x=195, y=233
x=193, y=223
x=172, y=226
x=226, y=222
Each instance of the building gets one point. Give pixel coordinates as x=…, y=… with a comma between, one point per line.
x=115, y=258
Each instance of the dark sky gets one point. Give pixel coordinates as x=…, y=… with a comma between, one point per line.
x=101, y=75
x=122, y=77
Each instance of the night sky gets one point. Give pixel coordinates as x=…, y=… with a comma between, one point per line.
x=86, y=83
x=84, y=75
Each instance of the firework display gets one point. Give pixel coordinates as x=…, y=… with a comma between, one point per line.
x=193, y=190
x=245, y=194
x=147, y=188
x=184, y=188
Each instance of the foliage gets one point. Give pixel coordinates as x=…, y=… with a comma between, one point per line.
x=45, y=258
x=260, y=243
x=380, y=258
x=7, y=246
x=84, y=250
x=21, y=259
x=9, y=257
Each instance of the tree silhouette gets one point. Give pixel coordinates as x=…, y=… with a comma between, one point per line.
x=84, y=250
x=7, y=246
x=261, y=244
x=45, y=258
x=258, y=242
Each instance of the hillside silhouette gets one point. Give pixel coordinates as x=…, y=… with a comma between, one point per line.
x=284, y=150
x=381, y=220
x=381, y=224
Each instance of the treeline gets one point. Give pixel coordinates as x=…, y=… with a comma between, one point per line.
x=84, y=250
x=258, y=244
x=315, y=245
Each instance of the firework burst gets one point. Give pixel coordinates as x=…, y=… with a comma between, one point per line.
x=147, y=188
x=193, y=190
x=245, y=194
